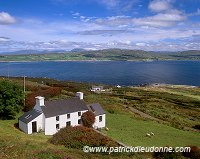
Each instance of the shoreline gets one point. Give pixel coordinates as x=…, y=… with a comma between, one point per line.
x=113, y=85
x=99, y=60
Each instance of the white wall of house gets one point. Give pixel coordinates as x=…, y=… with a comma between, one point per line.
x=50, y=123
x=98, y=123
x=23, y=126
x=40, y=124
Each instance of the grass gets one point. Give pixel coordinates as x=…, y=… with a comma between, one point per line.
x=132, y=132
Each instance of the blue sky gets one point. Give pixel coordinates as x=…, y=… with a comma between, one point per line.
x=157, y=25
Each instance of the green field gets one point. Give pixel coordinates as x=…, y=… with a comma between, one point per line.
x=132, y=132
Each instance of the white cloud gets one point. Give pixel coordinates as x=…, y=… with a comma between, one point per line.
x=119, y=6
x=6, y=18
x=109, y=3
x=140, y=44
x=4, y=39
x=159, y=5
x=166, y=19
x=76, y=14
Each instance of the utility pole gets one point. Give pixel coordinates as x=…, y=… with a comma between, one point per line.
x=24, y=89
x=8, y=70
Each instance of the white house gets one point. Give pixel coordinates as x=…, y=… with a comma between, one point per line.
x=50, y=116
x=97, y=89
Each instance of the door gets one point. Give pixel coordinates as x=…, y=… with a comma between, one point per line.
x=34, y=126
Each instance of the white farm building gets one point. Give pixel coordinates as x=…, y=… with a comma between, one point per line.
x=50, y=116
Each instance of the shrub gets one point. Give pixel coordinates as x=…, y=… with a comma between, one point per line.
x=79, y=136
x=111, y=111
x=88, y=119
x=11, y=99
x=196, y=127
x=167, y=155
x=47, y=93
x=193, y=154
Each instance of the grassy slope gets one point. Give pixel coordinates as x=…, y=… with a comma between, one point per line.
x=132, y=132
x=15, y=144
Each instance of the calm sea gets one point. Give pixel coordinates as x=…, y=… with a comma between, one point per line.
x=109, y=72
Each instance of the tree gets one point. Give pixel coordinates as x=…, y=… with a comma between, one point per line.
x=88, y=119
x=11, y=99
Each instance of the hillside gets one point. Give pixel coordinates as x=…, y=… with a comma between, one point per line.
x=107, y=54
x=176, y=107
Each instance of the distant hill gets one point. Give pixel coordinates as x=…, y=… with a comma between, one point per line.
x=79, y=54
x=77, y=50
x=26, y=52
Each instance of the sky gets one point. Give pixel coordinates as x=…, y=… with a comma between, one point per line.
x=156, y=25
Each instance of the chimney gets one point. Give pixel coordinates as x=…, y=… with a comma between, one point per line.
x=80, y=95
x=39, y=101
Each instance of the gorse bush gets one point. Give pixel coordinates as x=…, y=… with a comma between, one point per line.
x=88, y=119
x=193, y=154
x=79, y=136
x=47, y=93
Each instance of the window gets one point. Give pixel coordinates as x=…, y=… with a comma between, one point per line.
x=57, y=118
x=68, y=116
x=79, y=113
x=79, y=121
x=100, y=119
x=57, y=126
x=68, y=123
x=28, y=116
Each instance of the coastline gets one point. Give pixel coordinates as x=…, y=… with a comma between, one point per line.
x=101, y=60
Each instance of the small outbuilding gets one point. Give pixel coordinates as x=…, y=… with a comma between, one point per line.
x=98, y=89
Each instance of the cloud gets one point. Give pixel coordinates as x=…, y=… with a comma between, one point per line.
x=76, y=14
x=102, y=32
x=4, y=39
x=166, y=19
x=109, y=3
x=119, y=6
x=6, y=18
x=159, y=5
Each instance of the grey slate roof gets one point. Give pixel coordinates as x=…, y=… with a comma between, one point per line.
x=96, y=108
x=29, y=116
x=65, y=106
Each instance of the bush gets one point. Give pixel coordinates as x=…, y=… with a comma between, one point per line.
x=193, y=154
x=88, y=119
x=79, y=136
x=167, y=155
x=196, y=127
x=111, y=111
x=11, y=99
x=47, y=93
